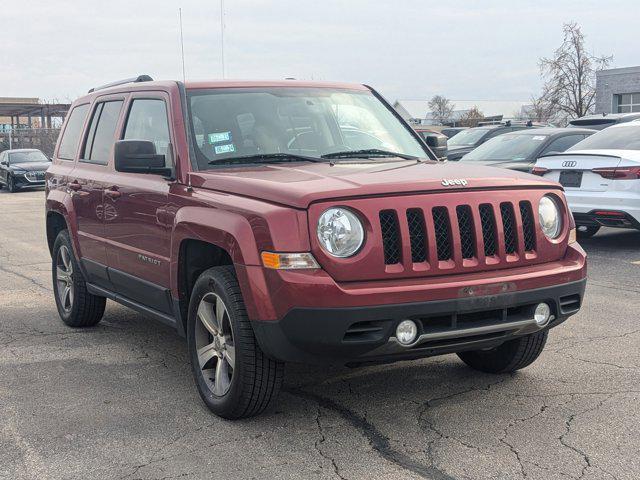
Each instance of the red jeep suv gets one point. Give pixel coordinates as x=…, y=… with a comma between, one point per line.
x=292, y=221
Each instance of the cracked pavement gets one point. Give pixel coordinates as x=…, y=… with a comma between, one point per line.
x=117, y=400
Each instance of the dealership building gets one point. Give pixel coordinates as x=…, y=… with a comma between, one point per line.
x=618, y=90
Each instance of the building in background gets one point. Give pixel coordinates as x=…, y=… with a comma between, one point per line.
x=618, y=90
x=417, y=111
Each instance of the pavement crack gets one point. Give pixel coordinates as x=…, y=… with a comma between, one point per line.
x=24, y=277
x=377, y=440
x=321, y=441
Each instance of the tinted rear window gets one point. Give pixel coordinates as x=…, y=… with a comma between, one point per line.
x=625, y=137
x=102, y=131
x=72, y=132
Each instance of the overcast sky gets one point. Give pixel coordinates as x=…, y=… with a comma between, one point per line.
x=485, y=50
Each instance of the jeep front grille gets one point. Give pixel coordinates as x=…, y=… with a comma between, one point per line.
x=459, y=234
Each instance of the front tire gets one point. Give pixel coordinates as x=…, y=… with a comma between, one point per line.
x=235, y=379
x=76, y=306
x=11, y=184
x=508, y=357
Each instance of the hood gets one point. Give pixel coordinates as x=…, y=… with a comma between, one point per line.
x=299, y=185
x=31, y=166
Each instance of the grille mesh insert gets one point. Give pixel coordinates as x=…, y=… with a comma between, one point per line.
x=415, y=221
x=442, y=228
x=390, y=236
x=509, y=226
x=467, y=234
x=488, y=229
x=528, y=227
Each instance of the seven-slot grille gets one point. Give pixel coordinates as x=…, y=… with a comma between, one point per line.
x=441, y=224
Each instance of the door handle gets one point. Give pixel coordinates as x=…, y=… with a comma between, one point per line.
x=112, y=192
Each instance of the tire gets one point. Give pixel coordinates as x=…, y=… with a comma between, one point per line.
x=78, y=307
x=235, y=379
x=587, y=232
x=11, y=186
x=508, y=357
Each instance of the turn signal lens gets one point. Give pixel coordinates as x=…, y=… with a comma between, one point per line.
x=572, y=236
x=288, y=261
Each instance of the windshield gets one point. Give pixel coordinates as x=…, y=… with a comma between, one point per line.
x=467, y=138
x=507, y=147
x=242, y=122
x=625, y=137
x=28, y=157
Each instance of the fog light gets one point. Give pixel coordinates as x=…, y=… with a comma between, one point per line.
x=542, y=314
x=407, y=332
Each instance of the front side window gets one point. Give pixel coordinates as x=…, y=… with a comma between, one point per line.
x=468, y=138
x=623, y=137
x=72, y=132
x=228, y=123
x=511, y=147
x=148, y=120
x=32, y=156
x=629, y=102
x=101, y=136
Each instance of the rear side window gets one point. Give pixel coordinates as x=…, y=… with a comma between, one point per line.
x=148, y=121
x=102, y=129
x=72, y=132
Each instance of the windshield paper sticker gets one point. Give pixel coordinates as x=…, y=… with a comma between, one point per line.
x=228, y=148
x=218, y=137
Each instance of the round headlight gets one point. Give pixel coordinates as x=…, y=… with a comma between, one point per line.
x=549, y=216
x=340, y=232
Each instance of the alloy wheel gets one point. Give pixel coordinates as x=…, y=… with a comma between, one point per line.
x=64, y=278
x=214, y=344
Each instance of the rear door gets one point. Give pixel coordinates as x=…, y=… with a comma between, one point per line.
x=574, y=171
x=86, y=184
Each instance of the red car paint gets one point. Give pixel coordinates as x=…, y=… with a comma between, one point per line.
x=259, y=208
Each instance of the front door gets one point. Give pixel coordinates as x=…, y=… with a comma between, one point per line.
x=138, y=227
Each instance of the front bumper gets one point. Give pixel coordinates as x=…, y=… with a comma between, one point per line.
x=366, y=334
x=28, y=180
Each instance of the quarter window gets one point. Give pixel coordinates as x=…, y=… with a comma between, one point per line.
x=561, y=144
x=101, y=136
x=148, y=121
x=629, y=102
x=71, y=135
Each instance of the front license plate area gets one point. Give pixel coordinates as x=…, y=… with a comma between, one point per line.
x=571, y=178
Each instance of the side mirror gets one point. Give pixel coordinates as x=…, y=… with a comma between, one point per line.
x=139, y=156
x=4, y=162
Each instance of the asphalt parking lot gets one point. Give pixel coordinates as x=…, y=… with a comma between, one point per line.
x=118, y=401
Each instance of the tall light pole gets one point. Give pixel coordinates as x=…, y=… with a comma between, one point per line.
x=222, y=36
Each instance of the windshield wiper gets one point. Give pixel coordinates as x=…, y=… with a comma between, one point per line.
x=266, y=158
x=367, y=153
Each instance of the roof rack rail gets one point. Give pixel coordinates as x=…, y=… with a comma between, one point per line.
x=138, y=79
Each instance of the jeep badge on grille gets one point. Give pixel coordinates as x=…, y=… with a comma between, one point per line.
x=451, y=182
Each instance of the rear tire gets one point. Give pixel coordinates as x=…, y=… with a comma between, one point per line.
x=587, y=231
x=76, y=306
x=235, y=379
x=508, y=357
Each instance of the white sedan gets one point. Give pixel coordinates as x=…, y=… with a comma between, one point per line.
x=601, y=178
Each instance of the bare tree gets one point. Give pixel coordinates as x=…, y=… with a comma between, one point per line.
x=441, y=108
x=570, y=74
x=471, y=117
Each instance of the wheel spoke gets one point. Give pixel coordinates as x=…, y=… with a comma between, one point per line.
x=205, y=354
x=220, y=311
x=207, y=317
x=221, y=384
x=66, y=294
x=230, y=355
x=61, y=274
x=64, y=253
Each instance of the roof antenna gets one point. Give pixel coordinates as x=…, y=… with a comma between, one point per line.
x=181, y=44
x=222, y=36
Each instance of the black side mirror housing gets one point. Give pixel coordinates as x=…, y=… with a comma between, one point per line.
x=139, y=156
